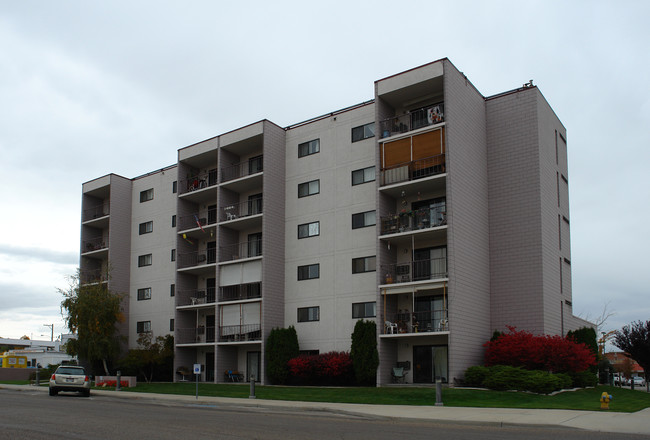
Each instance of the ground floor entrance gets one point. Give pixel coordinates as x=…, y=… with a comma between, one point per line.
x=430, y=363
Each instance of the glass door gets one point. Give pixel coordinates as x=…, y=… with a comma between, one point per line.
x=253, y=366
x=255, y=204
x=430, y=363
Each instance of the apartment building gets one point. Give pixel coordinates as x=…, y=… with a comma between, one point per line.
x=437, y=212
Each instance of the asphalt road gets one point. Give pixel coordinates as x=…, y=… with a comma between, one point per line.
x=35, y=416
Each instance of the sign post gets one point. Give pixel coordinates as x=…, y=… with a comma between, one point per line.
x=197, y=372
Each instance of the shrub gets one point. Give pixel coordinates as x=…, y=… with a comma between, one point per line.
x=322, y=369
x=506, y=377
x=474, y=376
x=363, y=352
x=281, y=345
x=584, y=379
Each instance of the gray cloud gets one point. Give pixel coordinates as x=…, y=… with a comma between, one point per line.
x=40, y=254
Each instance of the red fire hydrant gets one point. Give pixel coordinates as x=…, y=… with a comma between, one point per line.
x=604, y=400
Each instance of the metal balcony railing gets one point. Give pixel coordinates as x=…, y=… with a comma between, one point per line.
x=249, y=167
x=422, y=218
x=417, y=169
x=240, y=292
x=416, y=322
x=197, y=182
x=93, y=276
x=196, y=296
x=242, y=332
x=243, y=209
x=422, y=117
x=195, y=335
x=198, y=219
x=94, y=244
x=196, y=258
x=246, y=249
x=96, y=212
x=420, y=270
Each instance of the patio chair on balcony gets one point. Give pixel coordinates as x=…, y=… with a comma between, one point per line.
x=391, y=327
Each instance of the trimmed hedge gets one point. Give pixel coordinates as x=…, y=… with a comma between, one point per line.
x=504, y=378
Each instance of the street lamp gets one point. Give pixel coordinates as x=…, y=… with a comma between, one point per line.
x=51, y=326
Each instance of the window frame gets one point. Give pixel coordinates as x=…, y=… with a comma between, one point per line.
x=307, y=227
x=172, y=290
x=308, y=186
x=364, y=132
x=145, y=260
x=146, y=195
x=307, y=315
x=366, y=266
x=173, y=255
x=305, y=272
x=364, y=223
x=363, y=175
x=308, y=148
x=145, y=228
x=364, y=312
x=143, y=327
x=173, y=220
x=144, y=294
x=174, y=187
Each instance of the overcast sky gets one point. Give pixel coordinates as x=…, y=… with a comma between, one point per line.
x=91, y=88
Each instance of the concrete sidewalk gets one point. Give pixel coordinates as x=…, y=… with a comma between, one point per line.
x=605, y=421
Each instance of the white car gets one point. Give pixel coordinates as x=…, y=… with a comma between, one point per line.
x=70, y=378
x=638, y=381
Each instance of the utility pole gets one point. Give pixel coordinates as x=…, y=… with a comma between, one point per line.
x=51, y=326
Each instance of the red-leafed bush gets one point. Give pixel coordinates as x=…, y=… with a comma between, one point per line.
x=332, y=368
x=555, y=354
x=112, y=383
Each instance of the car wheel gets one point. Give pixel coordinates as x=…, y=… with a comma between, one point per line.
x=85, y=393
x=53, y=392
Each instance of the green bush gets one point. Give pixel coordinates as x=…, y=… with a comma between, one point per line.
x=584, y=379
x=505, y=377
x=363, y=352
x=474, y=376
x=281, y=345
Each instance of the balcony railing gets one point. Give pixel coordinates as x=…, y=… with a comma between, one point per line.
x=416, y=322
x=92, y=276
x=199, y=181
x=249, y=167
x=96, y=212
x=240, y=292
x=94, y=244
x=196, y=220
x=195, y=335
x=417, y=169
x=196, y=296
x=419, y=270
x=423, y=117
x=197, y=258
x=246, y=249
x=243, y=209
x=422, y=218
x=242, y=332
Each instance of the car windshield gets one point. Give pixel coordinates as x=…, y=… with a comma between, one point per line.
x=70, y=370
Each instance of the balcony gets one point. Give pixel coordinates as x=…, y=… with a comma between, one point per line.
x=423, y=218
x=413, y=120
x=412, y=271
x=197, y=220
x=196, y=259
x=93, y=245
x=406, y=322
x=93, y=276
x=195, y=335
x=240, y=292
x=246, y=249
x=95, y=213
x=417, y=169
x=249, y=167
x=198, y=182
x=195, y=297
x=239, y=333
x=239, y=210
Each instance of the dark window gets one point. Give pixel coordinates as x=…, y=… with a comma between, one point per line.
x=255, y=244
x=307, y=314
x=171, y=325
x=364, y=310
x=363, y=132
x=143, y=327
x=363, y=175
x=144, y=294
x=146, y=228
x=255, y=165
x=147, y=195
x=308, y=352
x=172, y=290
x=308, y=272
x=364, y=264
x=363, y=219
x=307, y=148
x=309, y=230
x=173, y=254
x=144, y=260
x=174, y=187
x=309, y=188
x=173, y=221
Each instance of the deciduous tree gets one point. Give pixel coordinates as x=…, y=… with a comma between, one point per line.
x=634, y=339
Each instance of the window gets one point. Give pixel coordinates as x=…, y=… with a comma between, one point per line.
x=174, y=187
x=146, y=228
x=144, y=294
x=171, y=325
x=147, y=195
x=307, y=314
x=144, y=260
x=363, y=132
x=307, y=148
x=143, y=327
x=309, y=188
x=172, y=290
x=364, y=310
x=308, y=272
x=173, y=255
x=173, y=221
x=309, y=230
x=363, y=175
x=363, y=219
x=365, y=264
